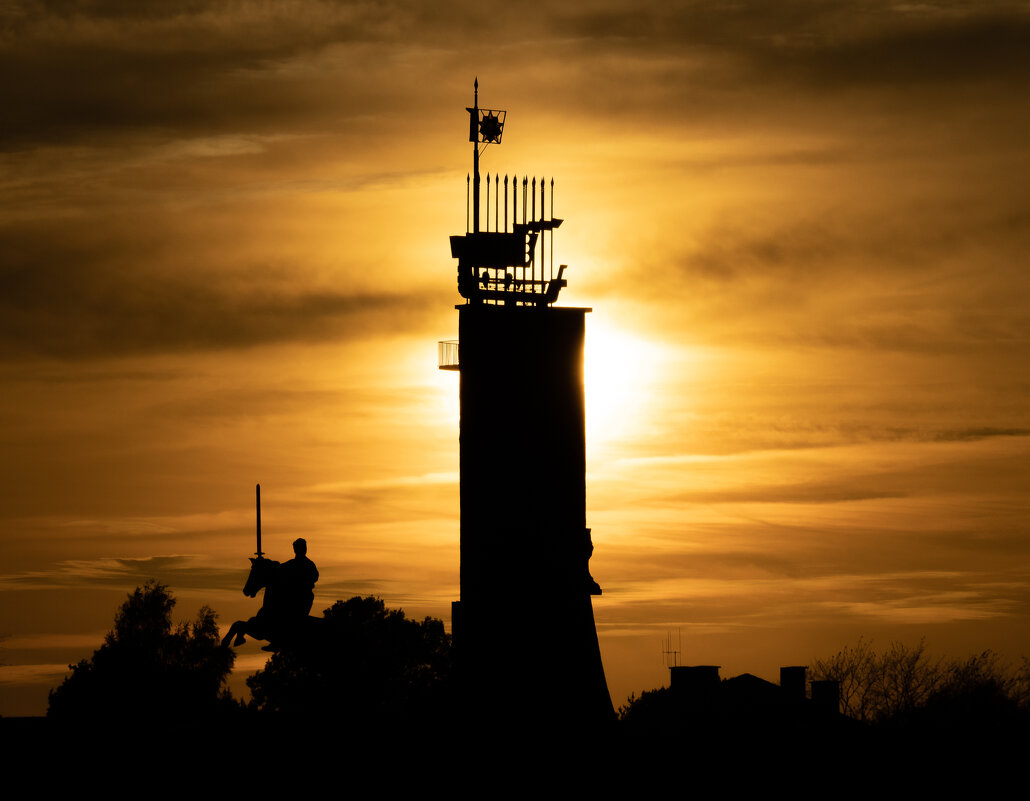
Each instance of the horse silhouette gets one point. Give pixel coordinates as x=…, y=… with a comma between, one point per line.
x=284, y=610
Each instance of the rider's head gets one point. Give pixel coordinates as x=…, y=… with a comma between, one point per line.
x=300, y=546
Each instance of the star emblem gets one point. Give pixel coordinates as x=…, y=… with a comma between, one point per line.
x=490, y=128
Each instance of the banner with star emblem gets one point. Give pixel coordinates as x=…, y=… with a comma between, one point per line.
x=486, y=125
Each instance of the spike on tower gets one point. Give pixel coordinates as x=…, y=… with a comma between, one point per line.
x=524, y=631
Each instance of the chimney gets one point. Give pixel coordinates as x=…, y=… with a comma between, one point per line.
x=826, y=696
x=792, y=682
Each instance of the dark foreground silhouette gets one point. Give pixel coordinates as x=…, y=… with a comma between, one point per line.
x=149, y=668
x=370, y=668
x=900, y=694
x=378, y=691
x=289, y=595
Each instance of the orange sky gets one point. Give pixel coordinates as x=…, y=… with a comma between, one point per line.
x=802, y=227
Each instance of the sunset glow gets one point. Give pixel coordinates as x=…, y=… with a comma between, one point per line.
x=802, y=229
x=620, y=372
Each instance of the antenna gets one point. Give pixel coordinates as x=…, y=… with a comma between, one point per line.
x=258, y=493
x=667, y=651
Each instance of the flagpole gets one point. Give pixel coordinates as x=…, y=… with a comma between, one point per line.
x=475, y=161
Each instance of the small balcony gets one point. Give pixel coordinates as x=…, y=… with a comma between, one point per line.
x=447, y=354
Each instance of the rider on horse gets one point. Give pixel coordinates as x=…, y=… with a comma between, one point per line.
x=289, y=595
x=298, y=577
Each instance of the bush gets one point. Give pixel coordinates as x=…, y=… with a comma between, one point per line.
x=368, y=665
x=148, y=668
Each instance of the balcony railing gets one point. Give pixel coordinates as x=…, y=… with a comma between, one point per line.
x=447, y=354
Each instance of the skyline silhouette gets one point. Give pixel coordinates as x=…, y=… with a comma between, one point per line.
x=372, y=670
x=802, y=230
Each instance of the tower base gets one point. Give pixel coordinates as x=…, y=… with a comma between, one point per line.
x=536, y=664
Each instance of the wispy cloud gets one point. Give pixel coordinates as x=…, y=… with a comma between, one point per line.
x=180, y=571
x=27, y=675
x=41, y=642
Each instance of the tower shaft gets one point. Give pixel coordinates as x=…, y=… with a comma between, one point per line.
x=524, y=628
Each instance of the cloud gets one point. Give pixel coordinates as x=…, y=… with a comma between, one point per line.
x=941, y=607
x=984, y=432
x=942, y=46
x=38, y=642
x=749, y=598
x=224, y=67
x=850, y=276
x=830, y=44
x=161, y=107
x=21, y=675
x=346, y=487
x=180, y=571
x=100, y=68
x=349, y=588
x=812, y=492
x=58, y=304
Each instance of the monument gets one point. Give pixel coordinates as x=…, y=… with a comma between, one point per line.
x=524, y=634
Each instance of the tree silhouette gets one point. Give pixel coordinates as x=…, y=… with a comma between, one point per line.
x=878, y=686
x=369, y=665
x=652, y=710
x=148, y=668
x=903, y=687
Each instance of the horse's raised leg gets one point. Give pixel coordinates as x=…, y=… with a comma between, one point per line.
x=236, y=629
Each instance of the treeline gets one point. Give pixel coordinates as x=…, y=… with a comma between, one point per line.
x=370, y=667
x=374, y=668
x=906, y=686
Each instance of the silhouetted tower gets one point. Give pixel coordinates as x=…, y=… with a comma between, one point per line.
x=524, y=629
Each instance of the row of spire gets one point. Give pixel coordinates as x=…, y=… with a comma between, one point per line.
x=529, y=201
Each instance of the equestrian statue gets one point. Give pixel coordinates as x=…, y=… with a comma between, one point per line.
x=289, y=594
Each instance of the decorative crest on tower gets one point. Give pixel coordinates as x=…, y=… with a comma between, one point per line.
x=502, y=266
